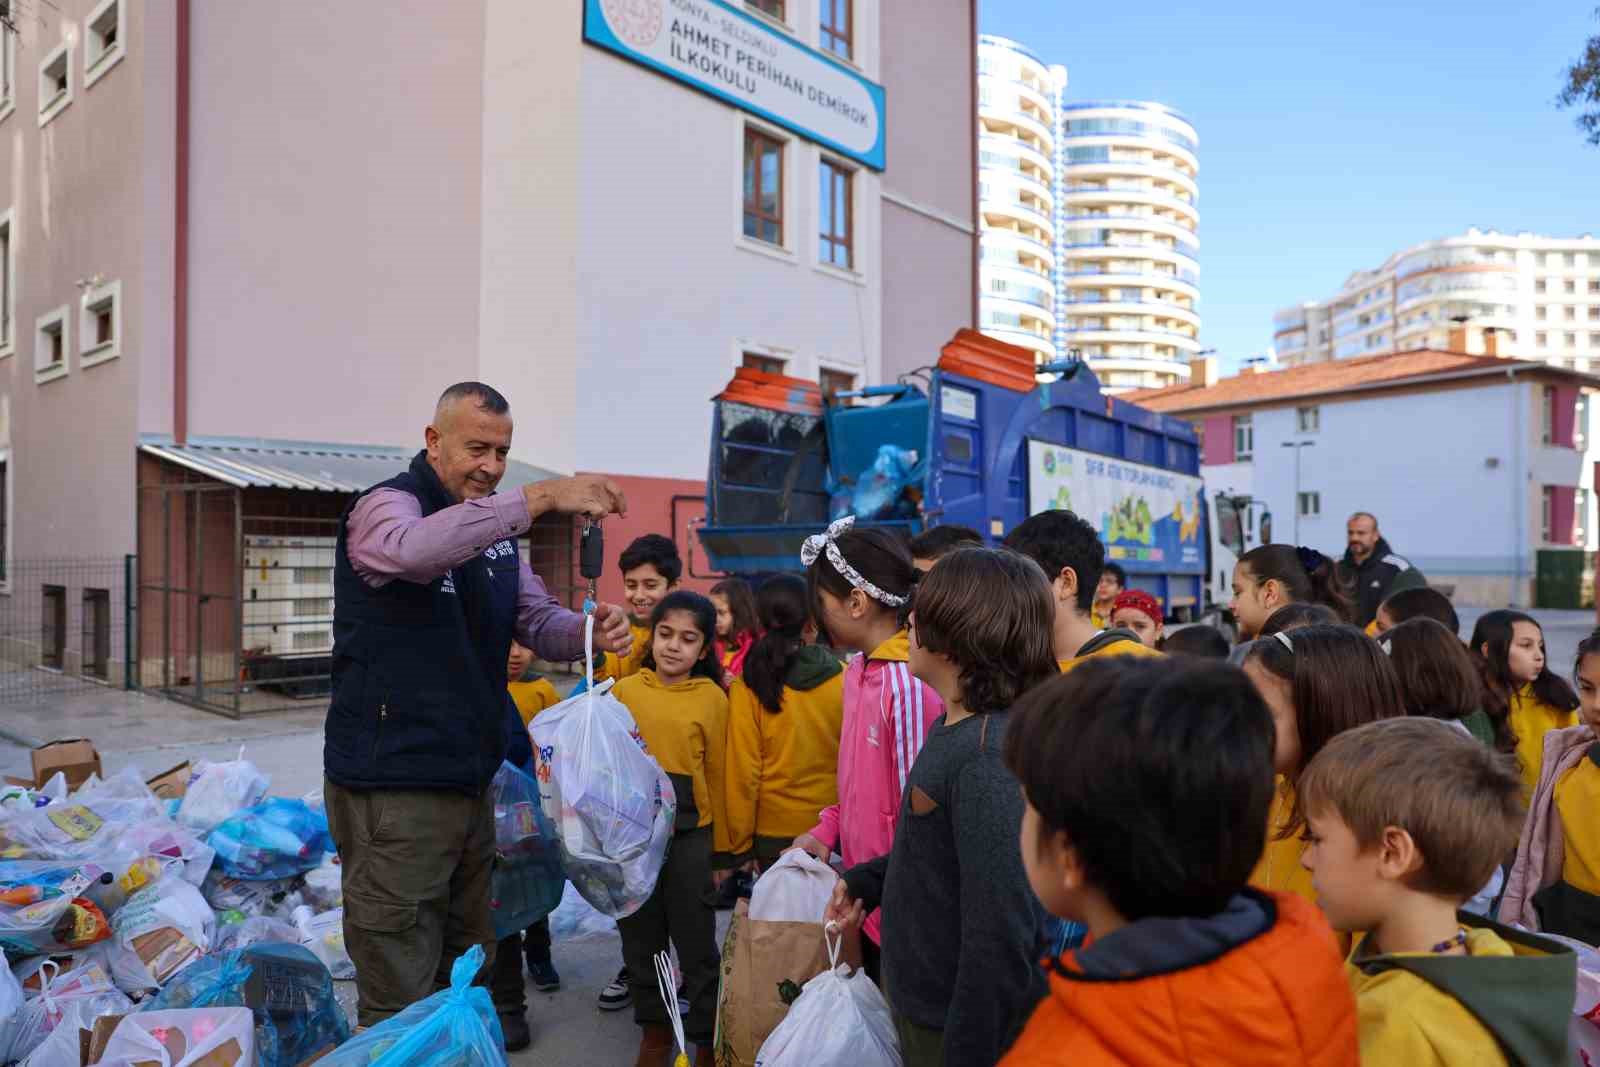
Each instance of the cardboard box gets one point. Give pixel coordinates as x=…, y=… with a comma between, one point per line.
x=103, y=1026
x=172, y=783
x=75, y=757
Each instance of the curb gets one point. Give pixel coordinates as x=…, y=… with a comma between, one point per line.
x=18, y=739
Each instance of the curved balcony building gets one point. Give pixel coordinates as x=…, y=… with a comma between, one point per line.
x=1126, y=243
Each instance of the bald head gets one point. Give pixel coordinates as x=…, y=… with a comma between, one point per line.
x=1362, y=534
x=469, y=439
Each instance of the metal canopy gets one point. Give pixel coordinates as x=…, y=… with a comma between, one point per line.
x=254, y=462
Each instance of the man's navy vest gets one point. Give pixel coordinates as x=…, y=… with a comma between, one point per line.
x=419, y=671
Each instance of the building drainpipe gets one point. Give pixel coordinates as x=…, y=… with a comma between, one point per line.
x=972, y=126
x=180, y=237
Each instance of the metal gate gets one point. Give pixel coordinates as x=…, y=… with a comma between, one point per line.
x=66, y=625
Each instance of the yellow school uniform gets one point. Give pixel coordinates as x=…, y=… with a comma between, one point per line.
x=620, y=667
x=1530, y=719
x=533, y=697
x=1120, y=647
x=783, y=767
x=1279, y=868
x=1577, y=802
x=1407, y=1020
x=685, y=727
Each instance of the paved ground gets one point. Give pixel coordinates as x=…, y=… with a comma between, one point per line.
x=153, y=734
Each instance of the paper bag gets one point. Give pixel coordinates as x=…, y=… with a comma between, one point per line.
x=764, y=967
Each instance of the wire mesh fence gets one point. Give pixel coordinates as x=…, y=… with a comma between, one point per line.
x=65, y=624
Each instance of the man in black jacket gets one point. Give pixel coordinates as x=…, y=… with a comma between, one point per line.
x=429, y=590
x=1372, y=568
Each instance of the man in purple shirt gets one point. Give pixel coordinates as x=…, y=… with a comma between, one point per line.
x=429, y=591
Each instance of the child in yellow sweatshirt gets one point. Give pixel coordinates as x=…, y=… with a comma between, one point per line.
x=784, y=718
x=678, y=704
x=1523, y=692
x=650, y=567
x=1406, y=819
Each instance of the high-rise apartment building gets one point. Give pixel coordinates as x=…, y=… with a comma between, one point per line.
x=1088, y=223
x=1539, y=298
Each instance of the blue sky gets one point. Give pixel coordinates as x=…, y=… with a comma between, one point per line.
x=1333, y=135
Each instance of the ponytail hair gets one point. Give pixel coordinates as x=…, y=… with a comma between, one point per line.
x=1305, y=574
x=704, y=613
x=782, y=608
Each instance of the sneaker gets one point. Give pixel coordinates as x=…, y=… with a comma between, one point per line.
x=617, y=995
x=518, y=1035
x=545, y=978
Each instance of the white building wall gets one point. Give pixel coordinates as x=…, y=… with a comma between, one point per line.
x=661, y=246
x=1441, y=471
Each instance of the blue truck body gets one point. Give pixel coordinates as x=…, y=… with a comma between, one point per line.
x=776, y=478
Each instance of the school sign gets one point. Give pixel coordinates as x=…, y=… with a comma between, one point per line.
x=741, y=60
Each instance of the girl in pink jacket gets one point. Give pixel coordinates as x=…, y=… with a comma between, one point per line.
x=861, y=584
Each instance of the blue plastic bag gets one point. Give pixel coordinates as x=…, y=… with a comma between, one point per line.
x=286, y=987
x=528, y=878
x=278, y=838
x=878, y=489
x=451, y=1028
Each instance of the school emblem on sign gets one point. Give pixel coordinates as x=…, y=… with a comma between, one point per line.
x=637, y=22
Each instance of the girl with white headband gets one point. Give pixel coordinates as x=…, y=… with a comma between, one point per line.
x=861, y=583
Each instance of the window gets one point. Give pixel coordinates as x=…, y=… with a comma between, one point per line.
x=1594, y=314
x=55, y=82
x=1572, y=340
x=835, y=244
x=1539, y=313
x=100, y=324
x=1538, y=286
x=8, y=274
x=1244, y=438
x=1310, y=504
x=835, y=381
x=1541, y=339
x=96, y=633
x=1594, y=285
x=1580, y=422
x=1571, y=286
x=763, y=187
x=53, y=627
x=1547, y=415
x=1572, y=313
x=50, y=345
x=836, y=27
x=1580, y=512
x=1309, y=420
x=103, y=44
x=8, y=72
x=767, y=7
x=764, y=364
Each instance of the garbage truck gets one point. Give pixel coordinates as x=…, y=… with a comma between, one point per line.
x=977, y=440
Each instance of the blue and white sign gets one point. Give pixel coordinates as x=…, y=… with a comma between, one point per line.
x=738, y=58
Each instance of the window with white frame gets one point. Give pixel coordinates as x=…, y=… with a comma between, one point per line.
x=55, y=82
x=1244, y=438
x=105, y=42
x=8, y=71
x=100, y=324
x=8, y=274
x=833, y=380
x=1580, y=511
x=51, y=334
x=1309, y=420
x=1310, y=504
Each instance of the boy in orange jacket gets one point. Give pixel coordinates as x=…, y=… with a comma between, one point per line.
x=1138, y=774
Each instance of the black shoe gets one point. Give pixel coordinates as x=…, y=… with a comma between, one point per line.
x=545, y=978
x=518, y=1035
x=617, y=995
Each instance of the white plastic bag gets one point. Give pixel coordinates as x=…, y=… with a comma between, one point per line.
x=63, y=1046
x=184, y=1036
x=795, y=889
x=235, y=936
x=84, y=993
x=612, y=804
x=324, y=936
x=168, y=925
x=839, y=1020
x=576, y=920
x=10, y=1008
x=248, y=898
x=87, y=823
x=217, y=790
x=324, y=888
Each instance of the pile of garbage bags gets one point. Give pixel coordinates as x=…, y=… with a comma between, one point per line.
x=205, y=929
